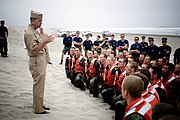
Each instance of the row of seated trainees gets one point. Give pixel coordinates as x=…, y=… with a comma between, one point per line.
x=138, y=84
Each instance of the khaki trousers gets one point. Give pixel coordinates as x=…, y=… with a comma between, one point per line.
x=37, y=67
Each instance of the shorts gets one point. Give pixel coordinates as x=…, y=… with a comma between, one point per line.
x=66, y=49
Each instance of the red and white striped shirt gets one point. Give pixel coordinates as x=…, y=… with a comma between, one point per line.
x=158, y=84
x=153, y=91
x=170, y=78
x=150, y=98
x=139, y=106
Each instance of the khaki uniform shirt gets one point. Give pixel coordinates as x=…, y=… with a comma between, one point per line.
x=31, y=39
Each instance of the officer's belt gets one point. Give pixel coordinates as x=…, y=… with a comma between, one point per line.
x=40, y=54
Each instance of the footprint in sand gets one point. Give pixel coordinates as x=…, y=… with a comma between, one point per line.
x=26, y=94
x=5, y=92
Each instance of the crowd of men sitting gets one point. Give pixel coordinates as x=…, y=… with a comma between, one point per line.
x=138, y=84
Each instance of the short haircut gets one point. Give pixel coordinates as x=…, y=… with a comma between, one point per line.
x=95, y=51
x=104, y=55
x=143, y=37
x=153, y=60
x=113, y=53
x=72, y=48
x=158, y=71
x=77, y=48
x=112, y=59
x=134, y=65
x=77, y=31
x=150, y=38
x=90, y=51
x=2, y=21
x=143, y=54
x=125, y=50
x=149, y=65
x=161, y=109
x=125, y=60
x=113, y=35
x=147, y=57
x=171, y=67
x=164, y=60
x=144, y=79
x=136, y=37
x=164, y=39
x=133, y=58
x=99, y=36
x=134, y=85
x=146, y=73
x=170, y=117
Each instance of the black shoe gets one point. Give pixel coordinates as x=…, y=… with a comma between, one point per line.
x=4, y=56
x=112, y=108
x=46, y=108
x=61, y=62
x=83, y=88
x=50, y=63
x=45, y=112
x=96, y=95
x=72, y=81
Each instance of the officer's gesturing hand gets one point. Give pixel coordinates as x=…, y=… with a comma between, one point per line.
x=42, y=44
x=50, y=38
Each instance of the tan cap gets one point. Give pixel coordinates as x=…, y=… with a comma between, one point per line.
x=36, y=14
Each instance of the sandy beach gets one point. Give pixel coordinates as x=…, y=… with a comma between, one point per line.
x=66, y=101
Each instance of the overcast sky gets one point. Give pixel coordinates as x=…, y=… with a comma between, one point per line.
x=94, y=13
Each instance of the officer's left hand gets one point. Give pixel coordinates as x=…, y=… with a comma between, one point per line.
x=52, y=36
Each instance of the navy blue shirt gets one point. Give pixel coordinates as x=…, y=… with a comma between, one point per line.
x=77, y=39
x=88, y=44
x=136, y=46
x=122, y=43
x=164, y=51
x=152, y=52
x=144, y=47
x=113, y=43
x=96, y=43
x=67, y=41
